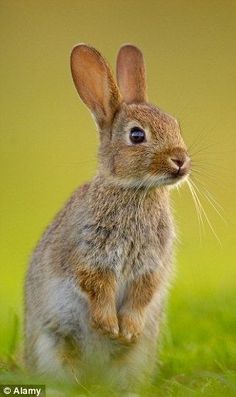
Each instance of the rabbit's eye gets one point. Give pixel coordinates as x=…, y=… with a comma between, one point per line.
x=137, y=135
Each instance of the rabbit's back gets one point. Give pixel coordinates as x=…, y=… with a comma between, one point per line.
x=48, y=290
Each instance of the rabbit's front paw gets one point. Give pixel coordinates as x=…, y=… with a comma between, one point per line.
x=131, y=325
x=105, y=322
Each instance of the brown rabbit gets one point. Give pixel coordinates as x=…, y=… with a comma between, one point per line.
x=98, y=279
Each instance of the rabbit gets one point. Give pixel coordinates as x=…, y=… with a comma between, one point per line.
x=97, y=284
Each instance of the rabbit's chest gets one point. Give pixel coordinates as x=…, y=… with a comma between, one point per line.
x=143, y=247
x=128, y=246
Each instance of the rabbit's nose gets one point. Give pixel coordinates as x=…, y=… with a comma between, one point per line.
x=180, y=164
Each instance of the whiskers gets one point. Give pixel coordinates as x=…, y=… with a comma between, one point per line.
x=207, y=172
x=201, y=193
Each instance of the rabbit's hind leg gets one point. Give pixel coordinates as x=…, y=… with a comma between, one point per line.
x=50, y=356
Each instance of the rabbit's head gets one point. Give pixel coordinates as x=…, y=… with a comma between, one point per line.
x=140, y=144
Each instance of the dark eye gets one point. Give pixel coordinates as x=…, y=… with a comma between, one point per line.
x=137, y=135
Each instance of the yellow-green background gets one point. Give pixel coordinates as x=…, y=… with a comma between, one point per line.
x=49, y=143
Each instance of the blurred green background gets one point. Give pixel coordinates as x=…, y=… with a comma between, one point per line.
x=49, y=144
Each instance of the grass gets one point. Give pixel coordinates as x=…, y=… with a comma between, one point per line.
x=197, y=358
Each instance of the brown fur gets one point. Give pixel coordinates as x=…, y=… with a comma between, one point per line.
x=100, y=285
x=142, y=290
x=140, y=294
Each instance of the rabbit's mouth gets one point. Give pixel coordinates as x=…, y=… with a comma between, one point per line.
x=175, y=179
x=169, y=179
x=171, y=166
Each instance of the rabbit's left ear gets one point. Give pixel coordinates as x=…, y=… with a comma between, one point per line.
x=95, y=84
x=131, y=74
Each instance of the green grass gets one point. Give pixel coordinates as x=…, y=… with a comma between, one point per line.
x=197, y=358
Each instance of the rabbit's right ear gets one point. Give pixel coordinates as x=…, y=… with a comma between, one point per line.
x=95, y=84
x=131, y=74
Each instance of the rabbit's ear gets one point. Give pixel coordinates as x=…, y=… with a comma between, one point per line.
x=131, y=75
x=95, y=84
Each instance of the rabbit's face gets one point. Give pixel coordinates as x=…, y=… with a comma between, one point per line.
x=146, y=148
x=140, y=144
